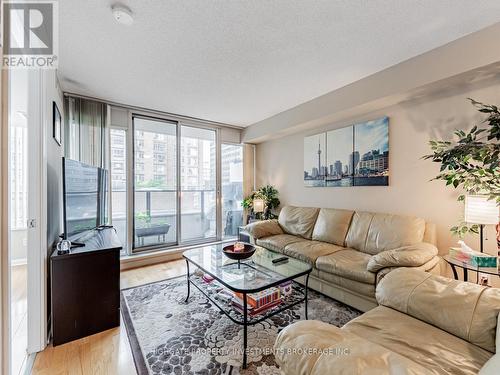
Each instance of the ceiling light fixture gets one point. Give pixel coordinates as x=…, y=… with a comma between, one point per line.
x=122, y=14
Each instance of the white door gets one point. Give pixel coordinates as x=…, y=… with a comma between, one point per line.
x=26, y=230
x=18, y=216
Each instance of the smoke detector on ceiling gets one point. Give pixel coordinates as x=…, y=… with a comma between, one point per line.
x=122, y=14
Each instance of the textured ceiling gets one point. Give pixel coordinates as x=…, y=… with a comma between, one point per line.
x=239, y=62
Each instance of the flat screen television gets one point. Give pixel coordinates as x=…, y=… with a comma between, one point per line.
x=84, y=197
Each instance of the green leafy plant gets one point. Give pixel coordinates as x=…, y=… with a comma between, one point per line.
x=143, y=219
x=269, y=194
x=471, y=162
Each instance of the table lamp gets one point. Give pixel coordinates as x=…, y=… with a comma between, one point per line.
x=480, y=210
x=258, y=205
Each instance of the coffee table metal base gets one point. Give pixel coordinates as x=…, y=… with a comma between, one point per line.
x=254, y=320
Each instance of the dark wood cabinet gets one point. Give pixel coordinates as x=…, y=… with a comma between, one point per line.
x=85, y=287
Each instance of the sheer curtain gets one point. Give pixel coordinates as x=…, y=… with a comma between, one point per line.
x=86, y=131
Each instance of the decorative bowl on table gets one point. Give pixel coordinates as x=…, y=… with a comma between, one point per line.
x=239, y=250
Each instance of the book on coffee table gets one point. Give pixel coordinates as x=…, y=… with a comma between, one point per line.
x=262, y=298
x=254, y=311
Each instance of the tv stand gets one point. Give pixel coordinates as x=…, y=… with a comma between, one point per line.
x=85, y=287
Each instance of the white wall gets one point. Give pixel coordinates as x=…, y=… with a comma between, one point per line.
x=55, y=152
x=280, y=162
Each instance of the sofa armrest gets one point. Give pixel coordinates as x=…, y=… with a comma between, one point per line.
x=430, y=266
x=265, y=228
x=491, y=367
x=406, y=256
x=435, y=300
x=312, y=347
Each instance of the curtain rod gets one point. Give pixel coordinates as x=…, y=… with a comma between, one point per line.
x=153, y=111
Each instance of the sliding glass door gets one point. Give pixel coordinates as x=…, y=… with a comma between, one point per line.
x=155, y=183
x=198, y=184
x=178, y=197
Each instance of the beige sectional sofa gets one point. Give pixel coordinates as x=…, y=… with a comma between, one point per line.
x=425, y=324
x=350, y=251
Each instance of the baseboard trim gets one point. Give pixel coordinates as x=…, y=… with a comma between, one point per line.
x=135, y=261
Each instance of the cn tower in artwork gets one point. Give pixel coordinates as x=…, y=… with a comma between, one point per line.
x=319, y=158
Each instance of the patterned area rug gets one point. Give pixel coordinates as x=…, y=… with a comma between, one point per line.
x=169, y=336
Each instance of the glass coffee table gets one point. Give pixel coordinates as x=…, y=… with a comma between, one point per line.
x=251, y=275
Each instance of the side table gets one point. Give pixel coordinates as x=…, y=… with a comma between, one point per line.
x=454, y=263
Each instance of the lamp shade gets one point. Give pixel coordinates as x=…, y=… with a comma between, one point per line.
x=258, y=205
x=480, y=210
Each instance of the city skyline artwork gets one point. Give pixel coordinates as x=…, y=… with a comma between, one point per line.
x=357, y=155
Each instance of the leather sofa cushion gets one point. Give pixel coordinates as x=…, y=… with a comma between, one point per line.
x=373, y=232
x=278, y=242
x=309, y=251
x=316, y=348
x=469, y=311
x=430, y=234
x=485, y=319
x=298, y=221
x=493, y=365
x=435, y=349
x=357, y=287
x=332, y=225
x=347, y=263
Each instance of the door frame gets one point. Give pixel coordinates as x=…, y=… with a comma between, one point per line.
x=5, y=342
x=130, y=157
x=39, y=112
x=36, y=267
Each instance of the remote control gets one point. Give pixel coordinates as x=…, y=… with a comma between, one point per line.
x=277, y=260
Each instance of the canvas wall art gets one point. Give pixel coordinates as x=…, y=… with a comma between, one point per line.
x=315, y=160
x=371, y=153
x=356, y=155
x=339, y=157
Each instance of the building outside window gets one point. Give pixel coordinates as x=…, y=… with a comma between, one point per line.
x=231, y=188
x=155, y=183
x=119, y=184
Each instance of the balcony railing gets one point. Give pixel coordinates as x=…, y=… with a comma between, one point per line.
x=156, y=207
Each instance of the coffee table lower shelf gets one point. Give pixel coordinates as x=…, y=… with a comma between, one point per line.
x=210, y=290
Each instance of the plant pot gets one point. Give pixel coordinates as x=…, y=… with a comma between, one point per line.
x=153, y=230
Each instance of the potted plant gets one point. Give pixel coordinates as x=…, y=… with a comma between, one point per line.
x=471, y=162
x=269, y=194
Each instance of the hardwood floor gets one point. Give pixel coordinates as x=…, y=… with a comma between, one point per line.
x=19, y=323
x=108, y=352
